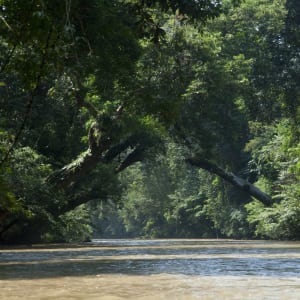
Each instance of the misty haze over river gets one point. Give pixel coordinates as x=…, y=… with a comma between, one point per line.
x=152, y=269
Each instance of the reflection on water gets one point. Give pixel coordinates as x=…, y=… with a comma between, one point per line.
x=153, y=269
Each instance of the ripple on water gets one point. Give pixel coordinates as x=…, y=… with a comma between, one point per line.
x=156, y=269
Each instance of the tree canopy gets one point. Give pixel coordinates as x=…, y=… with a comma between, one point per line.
x=148, y=118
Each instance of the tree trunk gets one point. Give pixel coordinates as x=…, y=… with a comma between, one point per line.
x=71, y=172
x=99, y=152
x=233, y=179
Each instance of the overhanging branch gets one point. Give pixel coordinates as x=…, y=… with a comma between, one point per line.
x=238, y=182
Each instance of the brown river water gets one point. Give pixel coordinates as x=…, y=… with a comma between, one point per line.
x=152, y=269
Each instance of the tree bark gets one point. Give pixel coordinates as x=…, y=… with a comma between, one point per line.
x=233, y=179
x=102, y=152
x=71, y=172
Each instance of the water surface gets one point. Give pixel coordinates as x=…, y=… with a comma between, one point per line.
x=152, y=269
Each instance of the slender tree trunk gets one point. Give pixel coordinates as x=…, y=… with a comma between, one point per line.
x=233, y=179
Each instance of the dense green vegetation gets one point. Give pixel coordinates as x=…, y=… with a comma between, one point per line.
x=133, y=118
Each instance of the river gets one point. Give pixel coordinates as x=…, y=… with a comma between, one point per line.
x=152, y=269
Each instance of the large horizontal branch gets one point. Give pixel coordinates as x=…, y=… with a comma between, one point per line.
x=115, y=150
x=99, y=149
x=87, y=161
x=76, y=201
x=74, y=170
x=133, y=157
x=233, y=179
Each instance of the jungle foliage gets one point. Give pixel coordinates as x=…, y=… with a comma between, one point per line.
x=133, y=118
